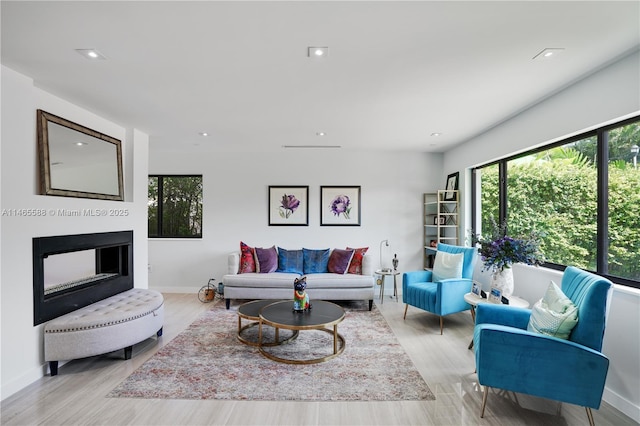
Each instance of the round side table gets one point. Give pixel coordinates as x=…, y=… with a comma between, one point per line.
x=384, y=274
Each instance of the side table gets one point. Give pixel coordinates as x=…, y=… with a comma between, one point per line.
x=384, y=274
x=474, y=300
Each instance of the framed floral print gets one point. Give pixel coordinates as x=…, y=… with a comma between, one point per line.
x=339, y=206
x=288, y=205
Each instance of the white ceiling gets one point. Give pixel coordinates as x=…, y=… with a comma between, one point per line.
x=396, y=71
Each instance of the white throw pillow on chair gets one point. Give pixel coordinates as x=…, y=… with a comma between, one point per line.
x=447, y=265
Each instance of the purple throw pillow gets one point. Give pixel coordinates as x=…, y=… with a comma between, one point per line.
x=339, y=261
x=267, y=259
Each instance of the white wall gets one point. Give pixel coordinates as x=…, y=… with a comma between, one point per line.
x=606, y=96
x=22, y=342
x=235, y=207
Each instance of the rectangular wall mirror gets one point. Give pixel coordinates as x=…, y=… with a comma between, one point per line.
x=76, y=161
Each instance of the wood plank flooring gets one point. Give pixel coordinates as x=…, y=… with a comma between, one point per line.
x=77, y=395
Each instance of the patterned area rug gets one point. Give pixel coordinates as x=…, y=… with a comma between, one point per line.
x=207, y=361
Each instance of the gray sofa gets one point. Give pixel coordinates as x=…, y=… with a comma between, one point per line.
x=279, y=285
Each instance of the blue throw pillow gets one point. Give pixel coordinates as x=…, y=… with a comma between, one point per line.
x=290, y=261
x=315, y=261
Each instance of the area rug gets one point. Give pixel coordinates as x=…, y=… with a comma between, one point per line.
x=207, y=361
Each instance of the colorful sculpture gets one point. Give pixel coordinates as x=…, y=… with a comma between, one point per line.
x=300, y=296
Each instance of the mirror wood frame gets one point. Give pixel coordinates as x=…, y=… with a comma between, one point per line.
x=44, y=155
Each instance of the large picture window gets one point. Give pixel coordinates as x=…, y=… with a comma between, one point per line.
x=582, y=194
x=175, y=206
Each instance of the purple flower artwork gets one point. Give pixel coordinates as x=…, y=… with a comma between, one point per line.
x=341, y=205
x=288, y=206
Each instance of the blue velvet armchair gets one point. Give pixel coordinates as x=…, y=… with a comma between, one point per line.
x=574, y=371
x=440, y=297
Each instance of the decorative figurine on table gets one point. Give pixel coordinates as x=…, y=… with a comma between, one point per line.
x=395, y=262
x=300, y=296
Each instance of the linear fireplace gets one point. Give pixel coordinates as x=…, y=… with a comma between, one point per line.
x=73, y=271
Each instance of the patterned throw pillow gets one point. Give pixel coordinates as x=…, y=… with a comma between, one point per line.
x=267, y=259
x=247, y=259
x=315, y=261
x=339, y=261
x=290, y=261
x=554, y=315
x=355, y=267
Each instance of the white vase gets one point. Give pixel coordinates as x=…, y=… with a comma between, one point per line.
x=503, y=280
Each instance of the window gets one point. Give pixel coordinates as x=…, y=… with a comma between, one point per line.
x=582, y=194
x=175, y=206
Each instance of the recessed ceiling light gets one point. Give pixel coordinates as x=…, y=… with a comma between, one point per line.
x=91, y=54
x=320, y=133
x=81, y=144
x=549, y=53
x=436, y=134
x=317, y=52
x=203, y=134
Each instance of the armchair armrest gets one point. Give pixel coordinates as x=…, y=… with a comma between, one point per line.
x=367, y=264
x=522, y=361
x=502, y=315
x=233, y=263
x=417, y=277
x=450, y=295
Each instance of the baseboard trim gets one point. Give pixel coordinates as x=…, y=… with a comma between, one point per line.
x=19, y=383
x=188, y=290
x=621, y=404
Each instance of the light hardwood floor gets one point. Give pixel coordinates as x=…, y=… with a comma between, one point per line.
x=77, y=395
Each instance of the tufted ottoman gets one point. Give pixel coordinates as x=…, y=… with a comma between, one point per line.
x=117, y=322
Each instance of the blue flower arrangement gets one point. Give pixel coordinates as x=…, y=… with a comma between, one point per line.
x=499, y=251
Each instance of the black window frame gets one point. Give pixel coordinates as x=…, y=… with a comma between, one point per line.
x=160, y=207
x=602, y=166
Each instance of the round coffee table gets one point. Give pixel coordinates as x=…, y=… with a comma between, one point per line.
x=251, y=311
x=321, y=315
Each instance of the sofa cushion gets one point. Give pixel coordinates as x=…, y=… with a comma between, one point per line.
x=290, y=261
x=315, y=261
x=247, y=259
x=339, y=261
x=355, y=267
x=329, y=280
x=267, y=259
x=257, y=280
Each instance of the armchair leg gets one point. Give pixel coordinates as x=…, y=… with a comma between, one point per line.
x=441, y=324
x=590, y=416
x=485, y=392
x=406, y=306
